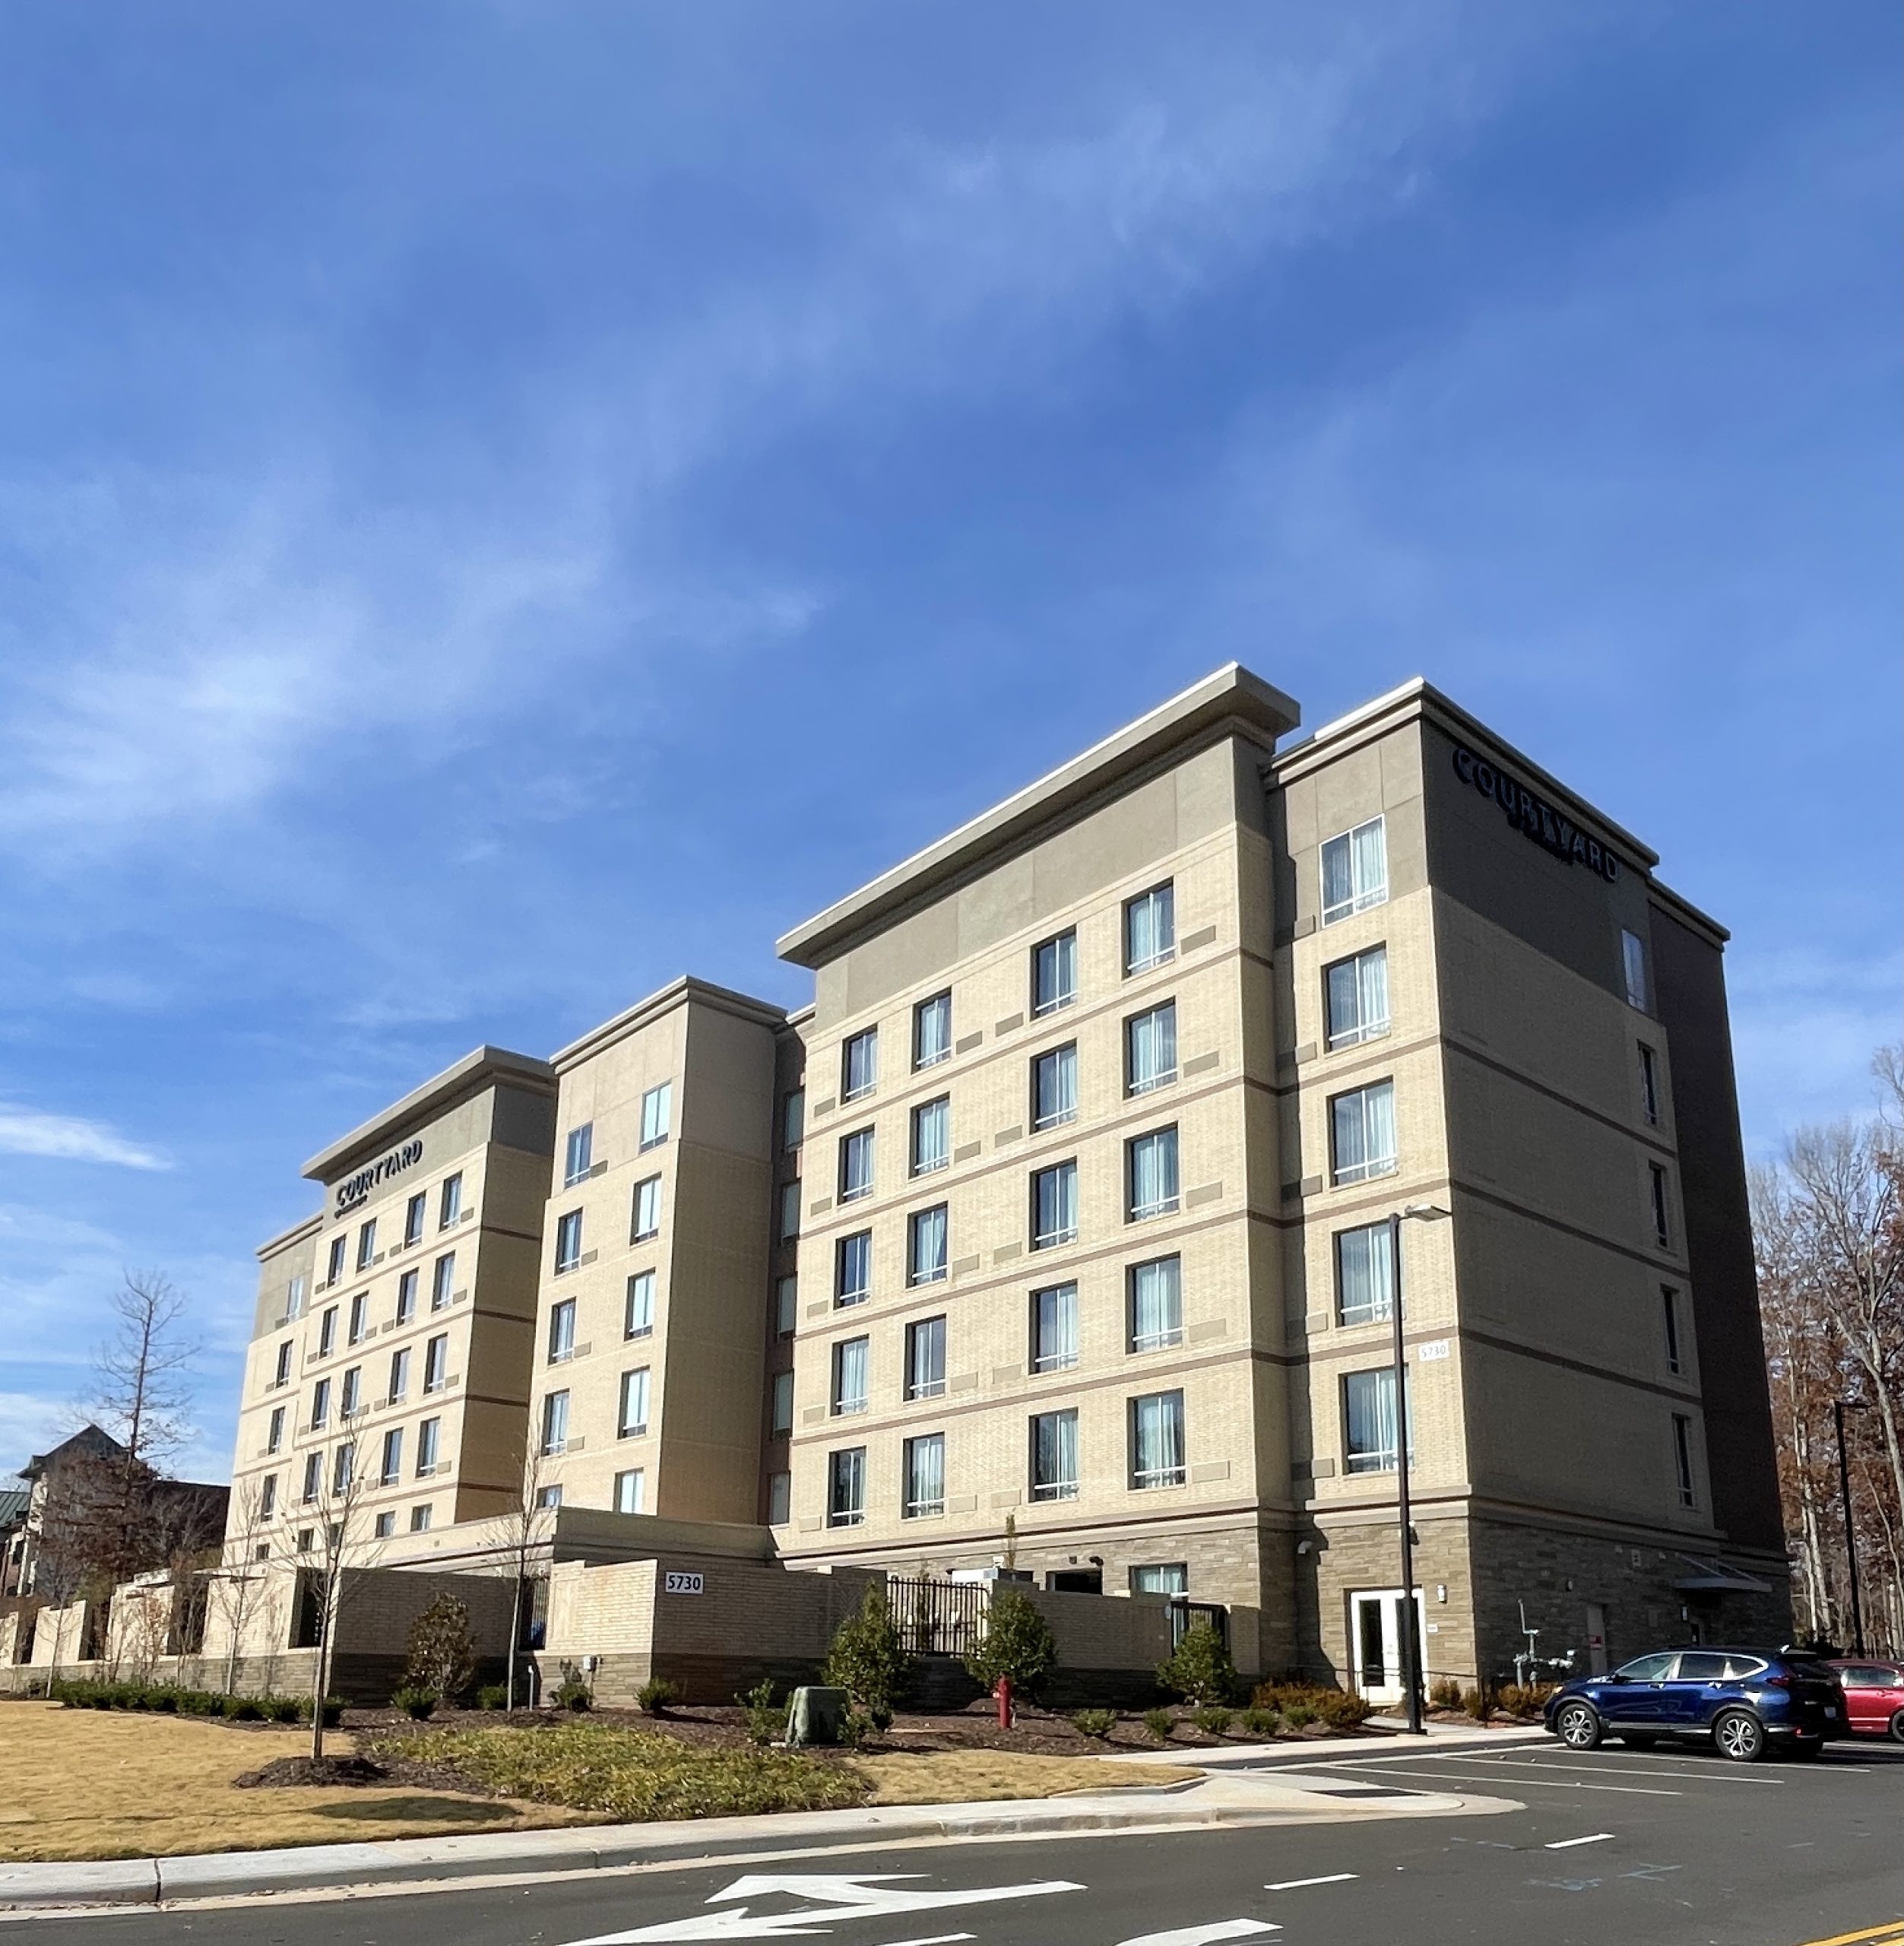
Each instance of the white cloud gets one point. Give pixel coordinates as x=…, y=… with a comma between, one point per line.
x=70, y=1138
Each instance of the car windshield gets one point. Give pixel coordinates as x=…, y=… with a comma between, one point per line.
x=1648, y=1668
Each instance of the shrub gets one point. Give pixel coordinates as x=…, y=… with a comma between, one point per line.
x=574, y=1691
x=868, y=1660
x=1524, y=1699
x=333, y=1710
x=1475, y=1701
x=243, y=1710
x=655, y=1695
x=418, y=1704
x=1299, y=1716
x=1445, y=1694
x=442, y=1657
x=1214, y=1721
x=766, y=1718
x=165, y=1700
x=1200, y=1670
x=1095, y=1722
x=1159, y=1723
x=1320, y=1703
x=493, y=1696
x=1260, y=1723
x=1019, y=1644
x=281, y=1709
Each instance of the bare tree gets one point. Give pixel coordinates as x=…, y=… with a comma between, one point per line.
x=522, y=1527
x=75, y=1538
x=238, y=1581
x=339, y=1546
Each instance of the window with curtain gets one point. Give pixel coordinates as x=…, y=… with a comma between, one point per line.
x=1362, y=1129
x=1150, y=1049
x=1683, y=1457
x=638, y=1320
x=321, y=1403
x=359, y=1313
x=852, y=1268
x=1054, y=1205
x=1054, y=1455
x=786, y=1306
x=406, y=1296
x=568, y=1239
x=328, y=1332
x=1157, y=1441
x=344, y=1464
x=1150, y=929
x=555, y=1422
x=632, y=1417
x=1165, y=1577
x=349, y=1398
x=274, y=1435
x=562, y=1330
x=780, y=1499
x=1364, y=1274
x=1156, y=1304
x=931, y=1136
x=436, y=1363
x=925, y=1476
x=860, y=1065
x=925, y=1245
x=575, y=1163
x=783, y=1402
x=1054, y=1087
x=793, y=1118
x=1054, y=973
x=429, y=1436
x=932, y=1031
x=846, y=1487
x=849, y=1376
x=1356, y=992
x=366, y=1244
x=449, y=1204
x=631, y=1491
x=442, y=1281
x=1151, y=1168
x=856, y=1165
x=414, y=1219
x=1633, y=960
x=399, y=1375
x=392, y=1468
x=1355, y=870
x=1368, y=1422
x=1649, y=1086
x=789, y=1210
x=1054, y=1328
x=1661, y=1222
x=926, y=1359
x=313, y=1476
x=658, y=1114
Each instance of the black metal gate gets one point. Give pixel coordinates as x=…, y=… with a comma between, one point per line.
x=938, y=1617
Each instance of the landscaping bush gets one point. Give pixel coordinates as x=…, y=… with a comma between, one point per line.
x=493, y=1696
x=1261, y=1722
x=1524, y=1700
x=1200, y=1670
x=1339, y=1709
x=868, y=1660
x=442, y=1656
x=1019, y=1644
x=573, y=1691
x=1475, y=1702
x=243, y=1710
x=333, y=1710
x=1159, y=1723
x=280, y=1709
x=1214, y=1721
x=418, y=1704
x=766, y=1718
x=168, y=1699
x=1445, y=1694
x=1095, y=1722
x=1299, y=1716
x=655, y=1695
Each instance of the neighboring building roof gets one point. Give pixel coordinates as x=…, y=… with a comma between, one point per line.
x=90, y=1439
x=1231, y=695
x=480, y=1069
x=14, y=1502
x=676, y=993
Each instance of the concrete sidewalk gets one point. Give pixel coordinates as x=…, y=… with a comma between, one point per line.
x=1209, y=1801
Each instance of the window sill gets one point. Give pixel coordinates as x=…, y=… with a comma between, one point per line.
x=1056, y=1241
x=931, y=1061
x=924, y=1278
x=1150, y=1483
x=1039, y=1126
x=1050, y=1007
x=930, y=1168
x=846, y=1519
x=1151, y=965
x=1150, y=1210
x=1068, y=1492
x=1357, y=1037
x=932, y=1510
x=1040, y=1366
x=1368, y=1173
x=1163, y=1342
x=1150, y=1087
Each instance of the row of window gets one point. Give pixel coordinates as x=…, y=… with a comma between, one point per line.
x=350, y=1389
x=449, y=1212
x=631, y=1417
x=342, y=1467
x=442, y=1289
x=658, y=1118
x=644, y=1222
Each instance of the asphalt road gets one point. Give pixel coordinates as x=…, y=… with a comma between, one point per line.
x=1614, y=1848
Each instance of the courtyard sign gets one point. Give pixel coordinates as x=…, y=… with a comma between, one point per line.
x=350, y=1193
x=1534, y=816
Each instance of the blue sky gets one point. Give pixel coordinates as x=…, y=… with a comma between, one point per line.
x=502, y=504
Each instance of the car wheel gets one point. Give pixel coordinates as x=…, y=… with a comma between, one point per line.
x=1578, y=1726
x=1897, y=1726
x=1639, y=1742
x=1739, y=1736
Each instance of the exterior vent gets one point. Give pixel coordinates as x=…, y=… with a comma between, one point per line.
x=1010, y=1024
x=967, y=1042
x=1203, y=936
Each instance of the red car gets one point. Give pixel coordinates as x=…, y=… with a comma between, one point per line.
x=1874, y=1697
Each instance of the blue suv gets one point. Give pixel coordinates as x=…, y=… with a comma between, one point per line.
x=1744, y=1699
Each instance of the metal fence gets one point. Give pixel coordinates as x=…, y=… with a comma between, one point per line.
x=938, y=1618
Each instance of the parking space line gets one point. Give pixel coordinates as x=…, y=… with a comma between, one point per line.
x=1891, y=1931
x=1567, y=1844
x=1733, y=1776
x=1295, y=1885
x=1466, y=1779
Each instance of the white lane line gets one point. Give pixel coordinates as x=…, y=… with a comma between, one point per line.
x=1624, y=1770
x=1295, y=1885
x=1567, y=1844
x=1464, y=1782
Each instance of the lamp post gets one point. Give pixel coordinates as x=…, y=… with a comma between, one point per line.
x=1409, y=1628
x=1839, y=1407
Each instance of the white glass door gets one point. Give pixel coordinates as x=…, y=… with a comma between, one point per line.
x=1375, y=1642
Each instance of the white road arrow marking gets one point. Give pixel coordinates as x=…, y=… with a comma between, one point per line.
x=1567, y=1844
x=1205, y=1935
x=851, y=1896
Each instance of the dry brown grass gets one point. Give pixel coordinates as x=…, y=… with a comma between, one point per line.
x=971, y=1777
x=85, y=1784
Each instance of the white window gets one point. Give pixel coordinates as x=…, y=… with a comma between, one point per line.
x=658, y=1114
x=1368, y=1422
x=849, y=1376
x=631, y=1491
x=429, y=1436
x=562, y=1331
x=1356, y=995
x=392, y=1469
x=633, y=1415
x=414, y=1219
x=449, y=1208
x=385, y=1525
x=856, y=1165
x=328, y=1332
x=360, y=1312
x=925, y=1476
x=780, y=1499
x=793, y=1118
x=338, y=1246
x=1054, y=1328
x=1156, y=1304
x=783, y=1402
x=282, y=1376
x=1150, y=1171
x=321, y=1403
x=313, y=1476
x=932, y=1031
x=925, y=1245
x=1649, y=1086
x=932, y=1136
x=1150, y=929
x=846, y=1487
x=442, y=1284
x=555, y=1423
x=366, y=1244
x=1683, y=1456
x=645, y=1217
x=294, y=1298
x=1150, y=1049
x=1364, y=1274
x=786, y=1306
x=860, y=1065
x=1163, y=1577
x=1054, y=973
x=343, y=1465
x=1054, y=1455
x=406, y=1296
x=275, y=1432
x=926, y=1359
x=1362, y=1129
x=1669, y=1305
x=852, y=1268
x=638, y=1320
x=568, y=1239
x=1355, y=871
x=436, y=1363
x=419, y=1518
x=399, y=1375
x=1633, y=959
x=1157, y=1441
x=789, y=1211
x=548, y=1496
x=1054, y=1205
x=1054, y=1086
x=350, y=1394
x=1662, y=1224
x=267, y=1497
x=581, y=1143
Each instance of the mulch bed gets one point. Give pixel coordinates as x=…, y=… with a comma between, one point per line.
x=284, y=1771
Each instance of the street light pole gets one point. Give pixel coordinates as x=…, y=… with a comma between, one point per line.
x=1409, y=1623
x=1850, y=1542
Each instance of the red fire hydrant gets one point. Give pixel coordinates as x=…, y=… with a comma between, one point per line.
x=1001, y=1689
